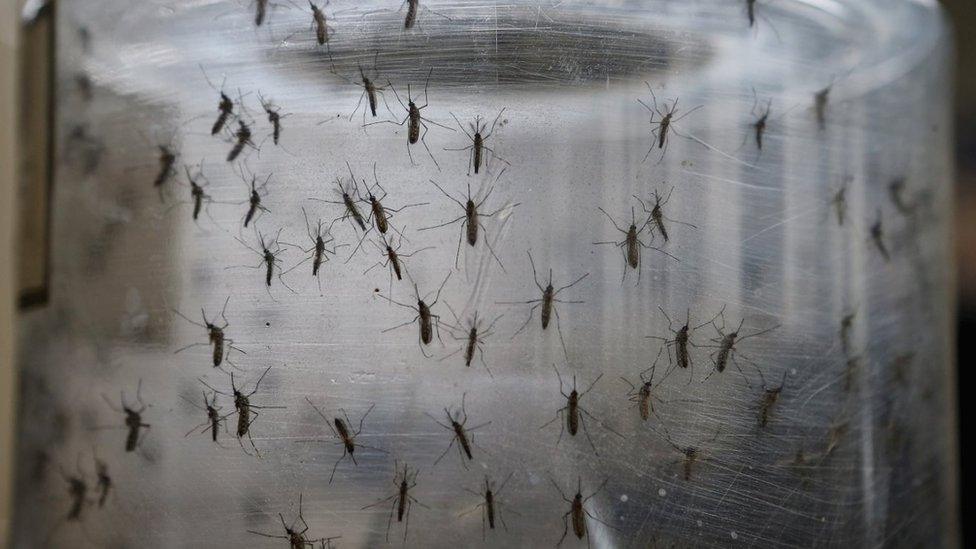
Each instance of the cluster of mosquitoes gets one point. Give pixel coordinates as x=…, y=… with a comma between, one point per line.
x=371, y=213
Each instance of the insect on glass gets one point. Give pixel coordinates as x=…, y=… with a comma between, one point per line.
x=133, y=417
x=664, y=123
x=631, y=244
x=215, y=334
x=296, y=537
x=415, y=120
x=490, y=506
x=478, y=138
x=578, y=513
x=471, y=221
x=572, y=413
x=547, y=302
x=403, y=501
x=427, y=321
x=460, y=433
x=341, y=428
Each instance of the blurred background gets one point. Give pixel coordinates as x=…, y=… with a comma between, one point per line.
x=963, y=16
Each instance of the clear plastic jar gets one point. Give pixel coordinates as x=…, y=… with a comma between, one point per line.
x=818, y=241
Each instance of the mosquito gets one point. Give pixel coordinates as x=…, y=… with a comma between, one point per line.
x=225, y=107
x=426, y=320
x=296, y=538
x=769, y=399
x=665, y=122
x=678, y=346
x=342, y=430
x=413, y=7
x=274, y=118
x=402, y=499
x=247, y=412
x=416, y=120
x=478, y=138
x=631, y=244
x=215, y=334
x=839, y=201
x=474, y=338
x=351, y=209
x=490, y=506
x=461, y=434
x=877, y=236
x=319, y=250
x=578, y=512
x=643, y=395
x=470, y=221
x=547, y=302
x=214, y=419
x=690, y=454
x=573, y=412
x=269, y=259
x=657, y=217
x=379, y=215
x=726, y=346
x=393, y=259
x=133, y=417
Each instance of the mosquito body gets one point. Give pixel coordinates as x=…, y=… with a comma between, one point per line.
x=260, y=11
x=473, y=338
x=269, y=259
x=643, y=395
x=402, y=499
x=664, y=124
x=578, y=512
x=631, y=244
x=214, y=419
x=690, y=454
x=104, y=482
x=461, y=434
x=247, y=412
x=414, y=119
x=393, y=260
x=225, y=105
x=427, y=320
x=167, y=159
x=846, y=325
x=351, y=208
x=254, y=206
x=341, y=428
x=768, y=400
x=274, y=117
x=877, y=236
x=490, y=506
x=839, y=202
x=759, y=126
x=242, y=138
x=572, y=414
x=77, y=493
x=471, y=220
x=197, y=194
x=547, y=303
x=319, y=250
x=820, y=106
x=478, y=138
x=321, y=25
x=656, y=215
x=726, y=345
x=379, y=215
x=215, y=335
x=133, y=418
x=297, y=539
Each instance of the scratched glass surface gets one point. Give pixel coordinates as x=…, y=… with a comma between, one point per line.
x=855, y=449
